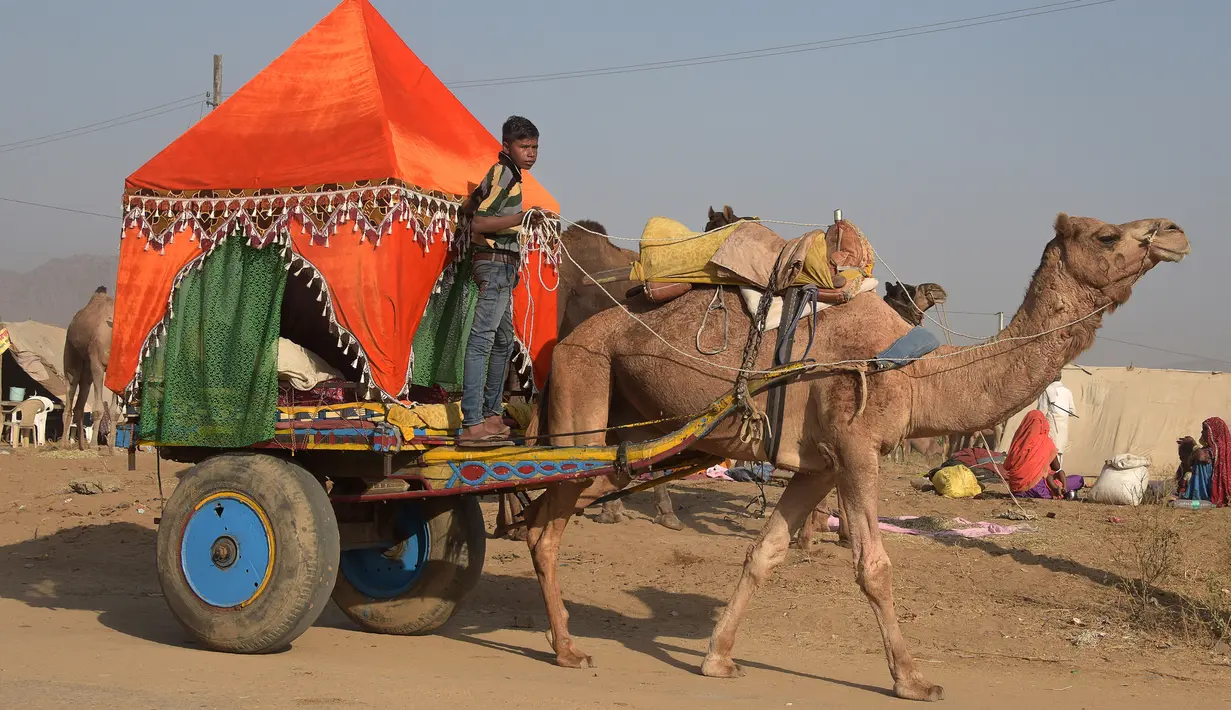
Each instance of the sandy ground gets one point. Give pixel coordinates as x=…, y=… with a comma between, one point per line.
x=82, y=622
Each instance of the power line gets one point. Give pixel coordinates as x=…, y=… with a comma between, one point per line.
x=1115, y=340
x=900, y=33
x=57, y=208
x=101, y=125
x=1165, y=350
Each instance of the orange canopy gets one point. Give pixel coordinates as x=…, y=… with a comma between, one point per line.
x=348, y=152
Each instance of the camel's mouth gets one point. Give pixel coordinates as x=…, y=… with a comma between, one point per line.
x=1168, y=254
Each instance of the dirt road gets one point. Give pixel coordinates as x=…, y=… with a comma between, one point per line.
x=82, y=623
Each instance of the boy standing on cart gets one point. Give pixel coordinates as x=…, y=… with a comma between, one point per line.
x=496, y=257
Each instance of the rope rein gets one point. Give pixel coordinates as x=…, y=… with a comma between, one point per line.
x=716, y=304
x=747, y=369
x=755, y=425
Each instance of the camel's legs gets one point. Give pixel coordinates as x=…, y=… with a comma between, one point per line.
x=84, y=383
x=844, y=527
x=814, y=522
x=70, y=403
x=103, y=423
x=666, y=514
x=547, y=516
x=857, y=491
x=612, y=512
x=510, y=520
x=798, y=500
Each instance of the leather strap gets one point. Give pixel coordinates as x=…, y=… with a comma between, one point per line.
x=776, y=406
x=510, y=258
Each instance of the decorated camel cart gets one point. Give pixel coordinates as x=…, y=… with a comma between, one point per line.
x=294, y=315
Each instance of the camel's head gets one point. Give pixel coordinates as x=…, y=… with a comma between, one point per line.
x=723, y=218
x=929, y=294
x=911, y=301
x=1109, y=258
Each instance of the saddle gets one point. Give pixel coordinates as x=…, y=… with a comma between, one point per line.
x=749, y=254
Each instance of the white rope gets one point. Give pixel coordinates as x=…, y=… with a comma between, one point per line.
x=995, y=340
x=564, y=250
x=944, y=327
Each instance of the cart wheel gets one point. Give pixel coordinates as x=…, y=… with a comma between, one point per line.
x=415, y=585
x=247, y=552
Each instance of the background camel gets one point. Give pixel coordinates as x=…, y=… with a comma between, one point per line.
x=87, y=348
x=910, y=302
x=579, y=298
x=837, y=425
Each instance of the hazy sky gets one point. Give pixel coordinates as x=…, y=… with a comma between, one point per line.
x=952, y=151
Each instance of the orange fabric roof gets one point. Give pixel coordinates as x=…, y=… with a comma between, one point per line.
x=347, y=101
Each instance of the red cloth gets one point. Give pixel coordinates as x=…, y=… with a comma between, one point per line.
x=979, y=458
x=1218, y=438
x=1031, y=453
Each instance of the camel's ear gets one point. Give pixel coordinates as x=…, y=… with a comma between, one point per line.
x=729, y=213
x=1064, y=226
x=713, y=214
x=891, y=288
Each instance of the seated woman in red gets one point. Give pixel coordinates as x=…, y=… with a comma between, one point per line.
x=1032, y=468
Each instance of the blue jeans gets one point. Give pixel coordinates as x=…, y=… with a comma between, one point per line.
x=490, y=343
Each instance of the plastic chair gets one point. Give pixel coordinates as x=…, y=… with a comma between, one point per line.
x=23, y=419
x=89, y=428
x=89, y=432
x=40, y=419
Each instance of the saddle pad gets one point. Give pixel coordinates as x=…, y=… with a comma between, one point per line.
x=752, y=299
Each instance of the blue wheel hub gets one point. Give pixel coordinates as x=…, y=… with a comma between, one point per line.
x=387, y=571
x=227, y=551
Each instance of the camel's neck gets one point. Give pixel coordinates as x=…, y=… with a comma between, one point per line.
x=977, y=387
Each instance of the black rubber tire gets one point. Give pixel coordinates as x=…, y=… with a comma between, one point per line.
x=306, y=550
x=453, y=566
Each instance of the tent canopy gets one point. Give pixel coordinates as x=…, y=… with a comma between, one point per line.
x=351, y=155
x=1135, y=411
x=38, y=350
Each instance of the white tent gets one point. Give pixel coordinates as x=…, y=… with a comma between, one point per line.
x=1133, y=410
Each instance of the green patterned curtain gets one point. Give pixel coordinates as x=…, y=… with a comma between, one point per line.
x=440, y=341
x=213, y=380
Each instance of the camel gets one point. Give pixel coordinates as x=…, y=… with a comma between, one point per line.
x=927, y=447
x=967, y=439
x=837, y=424
x=911, y=302
x=87, y=348
x=578, y=299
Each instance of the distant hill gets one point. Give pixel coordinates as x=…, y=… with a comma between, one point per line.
x=54, y=292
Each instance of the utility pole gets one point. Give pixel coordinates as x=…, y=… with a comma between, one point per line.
x=215, y=96
x=1000, y=315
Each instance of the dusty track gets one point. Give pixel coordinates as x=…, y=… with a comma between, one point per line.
x=82, y=623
